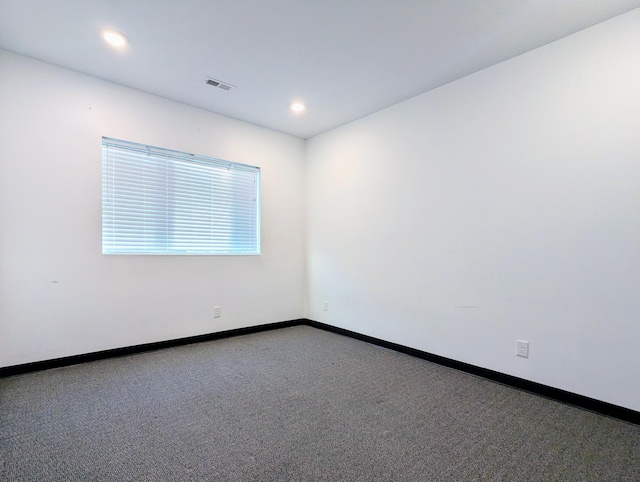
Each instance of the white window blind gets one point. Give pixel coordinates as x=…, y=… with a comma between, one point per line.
x=158, y=201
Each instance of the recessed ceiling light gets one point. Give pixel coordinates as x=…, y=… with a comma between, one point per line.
x=115, y=39
x=298, y=107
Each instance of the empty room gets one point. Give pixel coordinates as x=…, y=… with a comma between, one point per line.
x=319, y=240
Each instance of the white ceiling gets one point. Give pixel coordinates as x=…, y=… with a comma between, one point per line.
x=344, y=58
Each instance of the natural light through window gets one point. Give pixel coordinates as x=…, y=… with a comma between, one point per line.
x=159, y=201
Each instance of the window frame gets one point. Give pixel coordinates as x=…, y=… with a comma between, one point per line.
x=243, y=217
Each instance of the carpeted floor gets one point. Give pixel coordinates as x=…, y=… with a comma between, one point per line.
x=296, y=404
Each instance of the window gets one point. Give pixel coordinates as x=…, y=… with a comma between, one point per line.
x=157, y=201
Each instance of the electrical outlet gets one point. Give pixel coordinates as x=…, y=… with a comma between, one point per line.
x=522, y=348
x=325, y=306
x=217, y=312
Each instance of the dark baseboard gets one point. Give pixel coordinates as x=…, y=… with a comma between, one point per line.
x=131, y=350
x=570, y=398
x=557, y=394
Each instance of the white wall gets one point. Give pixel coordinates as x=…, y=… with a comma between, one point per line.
x=59, y=295
x=504, y=205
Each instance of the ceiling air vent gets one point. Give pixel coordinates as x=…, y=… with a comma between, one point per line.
x=218, y=83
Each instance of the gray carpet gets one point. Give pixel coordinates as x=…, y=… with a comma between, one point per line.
x=296, y=404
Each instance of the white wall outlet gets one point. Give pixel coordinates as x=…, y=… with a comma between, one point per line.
x=325, y=306
x=217, y=312
x=522, y=348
